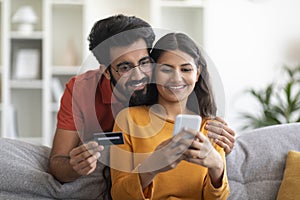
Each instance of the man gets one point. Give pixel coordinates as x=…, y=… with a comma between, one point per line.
x=121, y=44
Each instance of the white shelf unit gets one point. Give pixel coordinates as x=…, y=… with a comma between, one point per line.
x=33, y=35
x=28, y=113
x=175, y=15
x=21, y=95
x=180, y=15
x=65, y=70
x=66, y=42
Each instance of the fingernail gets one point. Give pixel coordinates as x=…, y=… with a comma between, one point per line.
x=98, y=155
x=94, y=144
x=101, y=148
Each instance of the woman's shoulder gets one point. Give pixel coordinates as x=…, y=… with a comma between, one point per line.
x=132, y=116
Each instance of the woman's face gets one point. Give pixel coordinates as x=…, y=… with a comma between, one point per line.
x=176, y=75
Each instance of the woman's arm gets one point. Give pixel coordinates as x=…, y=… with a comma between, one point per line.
x=203, y=153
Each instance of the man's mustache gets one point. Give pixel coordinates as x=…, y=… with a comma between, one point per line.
x=135, y=82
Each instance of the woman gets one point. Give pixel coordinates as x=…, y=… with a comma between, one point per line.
x=153, y=164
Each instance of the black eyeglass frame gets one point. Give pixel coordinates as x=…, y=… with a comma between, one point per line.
x=150, y=63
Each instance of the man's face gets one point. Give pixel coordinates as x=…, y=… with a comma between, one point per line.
x=131, y=85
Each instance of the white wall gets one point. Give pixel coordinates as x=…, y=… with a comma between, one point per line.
x=246, y=41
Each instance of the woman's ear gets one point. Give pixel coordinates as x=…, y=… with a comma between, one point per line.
x=199, y=71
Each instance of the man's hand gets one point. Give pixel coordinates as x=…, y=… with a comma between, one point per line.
x=83, y=159
x=219, y=131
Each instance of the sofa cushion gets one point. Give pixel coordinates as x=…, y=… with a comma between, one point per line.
x=289, y=188
x=23, y=175
x=255, y=166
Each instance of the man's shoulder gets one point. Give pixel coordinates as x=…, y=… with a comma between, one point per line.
x=87, y=77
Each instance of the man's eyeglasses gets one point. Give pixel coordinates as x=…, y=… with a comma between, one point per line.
x=125, y=68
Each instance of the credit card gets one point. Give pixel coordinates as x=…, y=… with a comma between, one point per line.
x=109, y=138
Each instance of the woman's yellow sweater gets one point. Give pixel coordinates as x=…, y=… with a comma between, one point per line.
x=143, y=132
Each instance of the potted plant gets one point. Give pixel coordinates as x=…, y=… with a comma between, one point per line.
x=279, y=103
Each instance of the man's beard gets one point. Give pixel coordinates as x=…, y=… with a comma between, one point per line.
x=142, y=97
x=139, y=97
x=135, y=98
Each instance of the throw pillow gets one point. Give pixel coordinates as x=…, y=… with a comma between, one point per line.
x=289, y=188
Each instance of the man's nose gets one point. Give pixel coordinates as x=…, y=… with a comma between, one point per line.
x=137, y=73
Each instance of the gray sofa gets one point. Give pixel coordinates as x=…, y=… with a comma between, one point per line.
x=255, y=168
x=23, y=175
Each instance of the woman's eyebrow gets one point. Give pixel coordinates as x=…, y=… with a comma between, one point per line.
x=165, y=64
x=182, y=65
x=187, y=64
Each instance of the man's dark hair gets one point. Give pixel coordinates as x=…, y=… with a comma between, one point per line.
x=118, y=30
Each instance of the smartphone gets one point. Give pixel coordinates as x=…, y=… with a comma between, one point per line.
x=109, y=138
x=188, y=121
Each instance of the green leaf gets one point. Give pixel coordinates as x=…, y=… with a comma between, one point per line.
x=278, y=103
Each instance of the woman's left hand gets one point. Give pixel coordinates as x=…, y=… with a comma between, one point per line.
x=222, y=135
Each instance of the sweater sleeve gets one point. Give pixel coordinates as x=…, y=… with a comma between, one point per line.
x=209, y=191
x=125, y=178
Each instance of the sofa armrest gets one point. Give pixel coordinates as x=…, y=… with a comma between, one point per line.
x=23, y=174
x=255, y=166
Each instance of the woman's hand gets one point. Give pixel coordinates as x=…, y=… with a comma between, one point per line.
x=219, y=131
x=166, y=156
x=202, y=152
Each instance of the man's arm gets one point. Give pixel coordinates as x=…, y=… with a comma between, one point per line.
x=68, y=159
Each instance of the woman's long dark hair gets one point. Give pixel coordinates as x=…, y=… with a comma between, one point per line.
x=202, y=100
